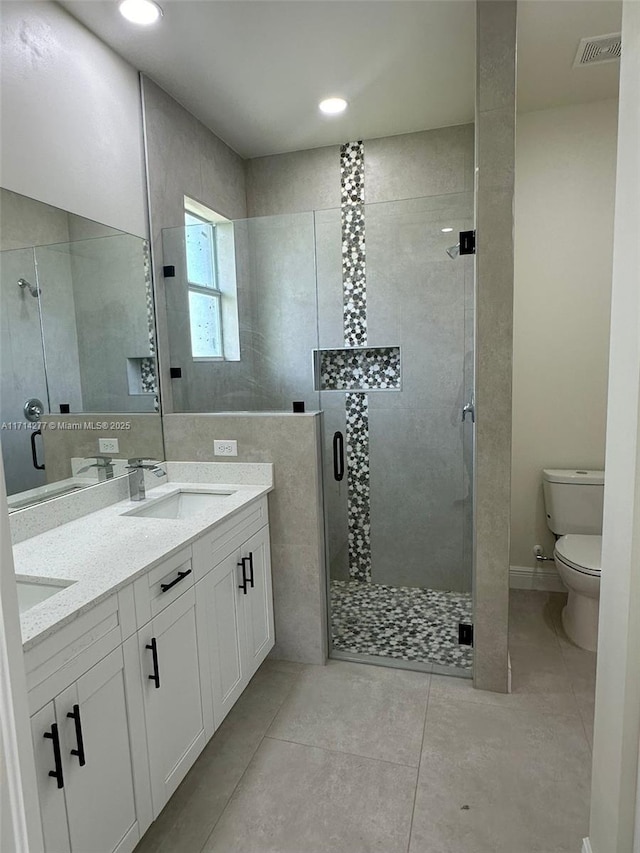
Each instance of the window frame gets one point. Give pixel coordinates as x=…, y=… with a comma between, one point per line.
x=213, y=292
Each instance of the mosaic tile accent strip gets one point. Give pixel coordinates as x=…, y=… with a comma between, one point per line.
x=358, y=486
x=361, y=369
x=148, y=370
x=406, y=623
x=148, y=375
x=353, y=243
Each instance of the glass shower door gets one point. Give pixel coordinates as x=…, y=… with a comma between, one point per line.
x=398, y=455
x=22, y=370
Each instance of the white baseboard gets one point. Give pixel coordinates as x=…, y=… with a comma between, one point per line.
x=586, y=846
x=544, y=579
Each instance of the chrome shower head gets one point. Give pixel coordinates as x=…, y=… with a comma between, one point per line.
x=453, y=251
x=34, y=291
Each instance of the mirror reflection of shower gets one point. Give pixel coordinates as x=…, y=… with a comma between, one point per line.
x=33, y=290
x=453, y=251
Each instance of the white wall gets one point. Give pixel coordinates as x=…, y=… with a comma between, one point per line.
x=617, y=717
x=564, y=204
x=71, y=118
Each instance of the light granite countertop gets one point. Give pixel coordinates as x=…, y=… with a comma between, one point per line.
x=105, y=550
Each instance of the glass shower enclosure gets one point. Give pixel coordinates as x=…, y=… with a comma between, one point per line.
x=397, y=444
x=391, y=368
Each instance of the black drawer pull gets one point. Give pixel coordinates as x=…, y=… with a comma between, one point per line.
x=165, y=586
x=251, y=569
x=57, y=773
x=245, y=579
x=153, y=648
x=75, y=716
x=338, y=456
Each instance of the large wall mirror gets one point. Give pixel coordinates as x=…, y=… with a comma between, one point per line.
x=78, y=377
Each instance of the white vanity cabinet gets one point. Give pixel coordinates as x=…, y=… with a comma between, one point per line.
x=125, y=696
x=88, y=786
x=175, y=689
x=237, y=616
x=258, y=601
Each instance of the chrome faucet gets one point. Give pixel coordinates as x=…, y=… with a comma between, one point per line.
x=137, y=468
x=104, y=464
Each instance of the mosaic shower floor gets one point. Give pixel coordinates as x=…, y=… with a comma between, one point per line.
x=407, y=623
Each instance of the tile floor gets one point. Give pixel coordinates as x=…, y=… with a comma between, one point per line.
x=408, y=623
x=350, y=758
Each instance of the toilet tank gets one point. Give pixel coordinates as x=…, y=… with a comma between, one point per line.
x=573, y=500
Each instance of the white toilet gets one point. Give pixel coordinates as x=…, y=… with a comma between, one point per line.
x=573, y=503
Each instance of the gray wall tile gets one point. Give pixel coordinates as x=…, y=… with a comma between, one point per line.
x=296, y=182
x=412, y=165
x=495, y=120
x=183, y=158
x=292, y=444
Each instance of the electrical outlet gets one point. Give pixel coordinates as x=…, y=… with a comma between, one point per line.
x=225, y=448
x=108, y=445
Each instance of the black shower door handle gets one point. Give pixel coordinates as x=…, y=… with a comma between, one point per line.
x=338, y=456
x=34, y=451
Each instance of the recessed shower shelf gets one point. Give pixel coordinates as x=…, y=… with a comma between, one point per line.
x=357, y=369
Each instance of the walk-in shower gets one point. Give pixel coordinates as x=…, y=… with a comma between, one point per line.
x=399, y=519
x=378, y=335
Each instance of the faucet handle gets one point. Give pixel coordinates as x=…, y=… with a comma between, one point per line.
x=137, y=462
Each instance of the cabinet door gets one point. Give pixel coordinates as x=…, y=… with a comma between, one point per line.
x=52, y=804
x=92, y=716
x=224, y=633
x=170, y=669
x=258, y=604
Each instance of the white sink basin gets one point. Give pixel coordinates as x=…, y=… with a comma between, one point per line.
x=32, y=592
x=181, y=504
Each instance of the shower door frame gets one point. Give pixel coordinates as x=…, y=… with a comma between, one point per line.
x=466, y=461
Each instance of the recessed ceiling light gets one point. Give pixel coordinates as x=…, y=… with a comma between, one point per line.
x=333, y=106
x=140, y=11
x=446, y=230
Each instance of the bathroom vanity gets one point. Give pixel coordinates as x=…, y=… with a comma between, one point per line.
x=151, y=618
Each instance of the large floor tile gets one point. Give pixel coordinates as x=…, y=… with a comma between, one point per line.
x=365, y=710
x=533, y=616
x=539, y=682
x=283, y=665
x=188, y=818
x=493, y=780
x=581, y=666
x=300, y=799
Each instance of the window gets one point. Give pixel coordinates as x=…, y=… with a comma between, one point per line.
x=211, y=284
x=205, y=296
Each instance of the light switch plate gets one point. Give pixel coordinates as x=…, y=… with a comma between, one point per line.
x=225, y=447
x=108, y=445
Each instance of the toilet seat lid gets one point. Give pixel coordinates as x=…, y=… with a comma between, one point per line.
x=580, y=551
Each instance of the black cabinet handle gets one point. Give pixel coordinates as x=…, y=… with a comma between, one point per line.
x=165, y=586
x=75, y=716
x=153, y=648
x=34, y=451
x=245, y=580
x=55, y=737
x=251, y=569
x=338, y=456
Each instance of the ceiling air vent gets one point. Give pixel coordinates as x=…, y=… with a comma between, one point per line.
x=598, y=49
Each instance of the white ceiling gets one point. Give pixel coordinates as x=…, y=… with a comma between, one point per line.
x=254, y=70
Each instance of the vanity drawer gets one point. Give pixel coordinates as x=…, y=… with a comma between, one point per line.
x=160, y=586
x=210, y=550
x=63, y=657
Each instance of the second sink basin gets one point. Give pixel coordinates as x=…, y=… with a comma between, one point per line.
x=32, y=592
x=181, y=504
